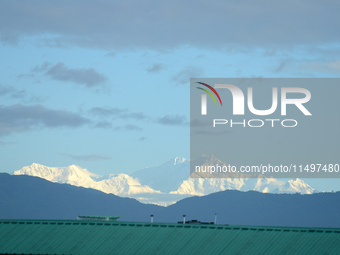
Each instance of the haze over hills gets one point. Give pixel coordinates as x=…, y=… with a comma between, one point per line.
x=166, y=177
x=162, y=185
x=27, y=197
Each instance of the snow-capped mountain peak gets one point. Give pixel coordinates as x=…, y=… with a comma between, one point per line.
x=179, y=160
x=122, y=184
x=165, y=184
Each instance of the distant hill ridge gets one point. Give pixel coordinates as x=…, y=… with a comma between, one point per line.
x=27, y=197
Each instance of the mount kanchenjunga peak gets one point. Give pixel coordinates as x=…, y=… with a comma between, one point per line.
x=121, y=184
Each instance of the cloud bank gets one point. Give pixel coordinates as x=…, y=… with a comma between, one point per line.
x=159, y=25
x=60, y=72
x=19, y=118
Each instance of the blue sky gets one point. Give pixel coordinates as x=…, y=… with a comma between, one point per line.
x=105, y=84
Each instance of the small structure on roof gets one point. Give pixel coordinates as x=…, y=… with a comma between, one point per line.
x=195, y=222
x=98, y=217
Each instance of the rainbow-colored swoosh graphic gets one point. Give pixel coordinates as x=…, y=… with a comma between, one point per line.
x=209, y=93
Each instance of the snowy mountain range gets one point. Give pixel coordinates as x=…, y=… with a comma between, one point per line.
x=162, y=185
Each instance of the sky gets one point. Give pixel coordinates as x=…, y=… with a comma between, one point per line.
x=105, y=84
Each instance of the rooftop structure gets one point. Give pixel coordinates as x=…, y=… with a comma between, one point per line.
x=102, y=218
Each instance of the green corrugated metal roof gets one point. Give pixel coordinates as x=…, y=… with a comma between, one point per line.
x=96, y=237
